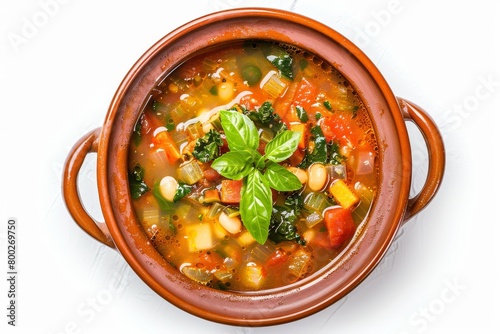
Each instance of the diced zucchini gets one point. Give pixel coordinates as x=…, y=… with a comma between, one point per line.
x=215, y=210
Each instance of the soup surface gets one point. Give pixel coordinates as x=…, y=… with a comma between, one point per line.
x=252, y=166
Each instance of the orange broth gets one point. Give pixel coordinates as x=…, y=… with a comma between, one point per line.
x=302, y=93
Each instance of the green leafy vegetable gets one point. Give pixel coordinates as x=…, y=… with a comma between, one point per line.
x=259, y=173
x=162, y=202
x=301, y=113
x=241, y=133
x=279, y=178
x=282, y=146
x=256, y=205
x=283, y=62
x=207, y=147
x=234, y=165
x=324, y=152
x=282, y=227
x=182, y=191
x=137, y=185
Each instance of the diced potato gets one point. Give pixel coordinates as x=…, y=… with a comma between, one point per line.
x=199, y=237
x=343, y=194
x=252, y=276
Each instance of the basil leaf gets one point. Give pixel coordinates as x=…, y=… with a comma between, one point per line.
x=234, y=164
x=256, y=206
x=279, y=178
x=241, y=133
x=282, y=146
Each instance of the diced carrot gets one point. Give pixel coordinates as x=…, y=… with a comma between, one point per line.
x=340, y=225
x=301, y=128
x=231, y=191
x=164, y=140
x=306, y=94
x=343, y=194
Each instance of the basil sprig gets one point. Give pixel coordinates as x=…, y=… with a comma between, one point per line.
x=259, y=172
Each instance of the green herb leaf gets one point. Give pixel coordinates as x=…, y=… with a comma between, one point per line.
x=256, y=206
x=282, y=146
x=137, y=186
x=241, y=133
x=234, y=165
x=280, y=178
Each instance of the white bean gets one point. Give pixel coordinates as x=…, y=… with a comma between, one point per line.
x=317, y=177
x=168, y=187
x=299, y=173
x=230, y=224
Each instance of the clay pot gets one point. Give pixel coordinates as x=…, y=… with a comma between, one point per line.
x=392, y=205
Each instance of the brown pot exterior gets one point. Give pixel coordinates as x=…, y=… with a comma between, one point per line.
x=392, y=205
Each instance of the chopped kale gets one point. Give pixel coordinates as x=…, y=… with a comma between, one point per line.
x=182, y=191
x=323, y=152
x=207, y=147
x=282, y=227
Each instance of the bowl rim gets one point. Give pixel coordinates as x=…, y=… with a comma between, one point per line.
x=289, y=303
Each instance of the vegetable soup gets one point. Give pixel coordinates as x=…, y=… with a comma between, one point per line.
x=252, y=166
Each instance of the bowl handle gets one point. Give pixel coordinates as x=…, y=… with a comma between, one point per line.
x=436, y=152
x=87, y=144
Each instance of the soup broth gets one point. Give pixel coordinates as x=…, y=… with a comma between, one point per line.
x=252, y=166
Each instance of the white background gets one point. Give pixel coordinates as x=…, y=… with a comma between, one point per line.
x=57, y=80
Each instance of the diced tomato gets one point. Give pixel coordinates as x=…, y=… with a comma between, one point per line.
x=231, y=191
x=210, y=260
x=340, y=226
x=211, y=175
x=340, y=127
x=306, y=94
x=277, y=258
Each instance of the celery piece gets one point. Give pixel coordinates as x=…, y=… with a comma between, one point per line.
x=190, y=172
x=365, y=202
x=316, y=201
x=215, y=210
x=336, y=172
x=274, y=85
x=298, y=264
x=260, y=253
x=313, y=219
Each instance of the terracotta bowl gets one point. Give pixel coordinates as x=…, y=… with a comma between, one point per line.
x=392, y=204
